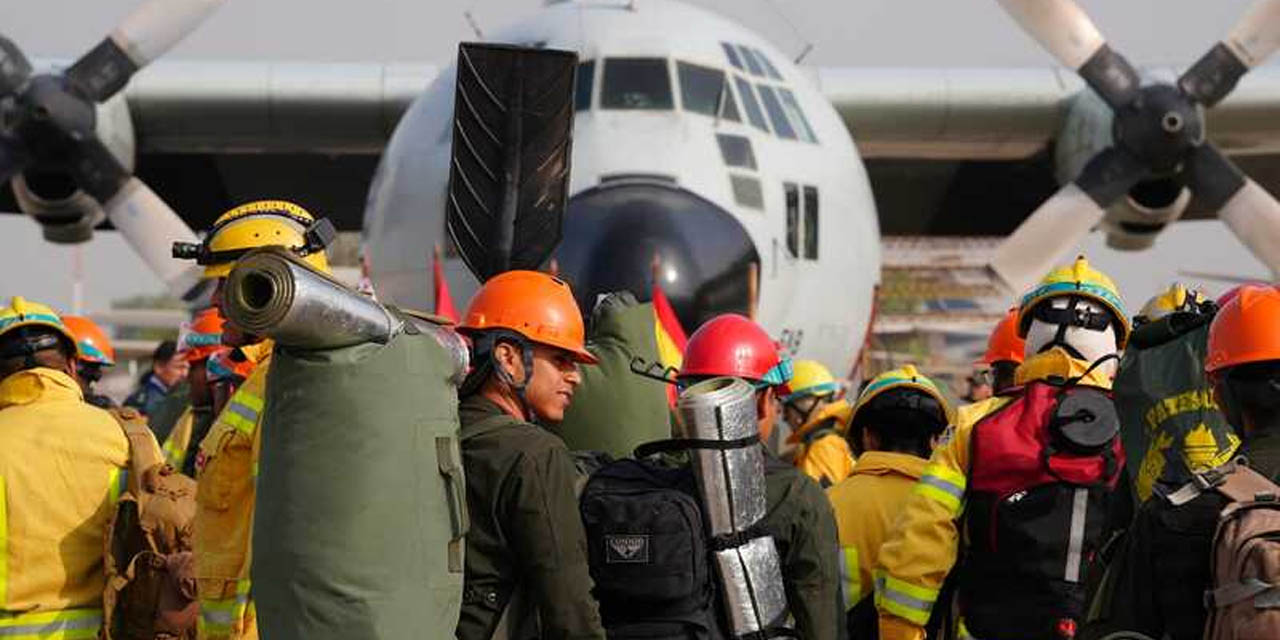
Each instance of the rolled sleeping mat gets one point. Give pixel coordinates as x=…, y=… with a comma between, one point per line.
x=361, y=507
x=751, y=585
x=272, y=293
x=730, y=476
x=728, y=463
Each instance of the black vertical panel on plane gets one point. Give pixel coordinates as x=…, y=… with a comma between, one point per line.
x=512, y=135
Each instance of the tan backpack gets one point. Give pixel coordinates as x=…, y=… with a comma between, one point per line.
x=151, y=589
x=1244, y=601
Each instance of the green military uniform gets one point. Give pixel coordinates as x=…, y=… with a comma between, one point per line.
x=804, y=528
x=614, y=410
x=526, y=538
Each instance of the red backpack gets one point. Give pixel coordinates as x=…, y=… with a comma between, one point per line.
x=1043, y=469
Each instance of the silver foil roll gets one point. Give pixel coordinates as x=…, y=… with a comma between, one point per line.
x=751, y=585
x=731, y=481
x=272, y=293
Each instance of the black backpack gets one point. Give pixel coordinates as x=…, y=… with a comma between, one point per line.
x=647, y=546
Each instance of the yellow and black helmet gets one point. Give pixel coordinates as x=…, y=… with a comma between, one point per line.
x=21, y=313
x=264, y=223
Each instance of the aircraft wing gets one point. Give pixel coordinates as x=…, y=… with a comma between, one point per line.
x=209, y=134
x=938, y=141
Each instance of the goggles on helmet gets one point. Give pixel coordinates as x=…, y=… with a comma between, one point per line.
x=318, y=235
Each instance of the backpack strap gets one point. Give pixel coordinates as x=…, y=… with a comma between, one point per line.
x=683, y=444
x=1247, y=485
x=143, y=455
x=1212, y=479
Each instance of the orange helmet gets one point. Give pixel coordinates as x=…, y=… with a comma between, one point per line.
x=1005, y=345
x=91, y=339
x=1244, y=330
x=536, y=305
x=202, y=337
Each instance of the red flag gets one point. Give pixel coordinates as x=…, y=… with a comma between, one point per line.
x=444, y=301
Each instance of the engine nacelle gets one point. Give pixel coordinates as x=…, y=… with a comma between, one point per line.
x=66, y=214
x=1134, y=222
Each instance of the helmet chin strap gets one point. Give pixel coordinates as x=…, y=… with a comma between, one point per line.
x=526, y=356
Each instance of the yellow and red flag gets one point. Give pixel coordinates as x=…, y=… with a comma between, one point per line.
x=670, y=336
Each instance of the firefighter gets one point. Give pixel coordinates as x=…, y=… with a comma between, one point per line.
x=228, y=454
x=896, y=423
x=198, y=341
x=526, y=561
x=818, y=420
x=96, y=354
x=1030, y=465
x=1004, y=351
x=799, y=516
x=62, y=464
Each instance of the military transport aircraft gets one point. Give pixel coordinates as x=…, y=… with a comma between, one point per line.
x=696, y=142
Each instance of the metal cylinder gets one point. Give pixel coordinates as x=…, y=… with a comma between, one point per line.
x=731, y=480
x=272, y=293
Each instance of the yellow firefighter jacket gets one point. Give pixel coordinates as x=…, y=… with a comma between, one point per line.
x=923, y=547
x=175, y=446
x=823, y=454
x=866, y=505
x=224, y=512
x=62, y=467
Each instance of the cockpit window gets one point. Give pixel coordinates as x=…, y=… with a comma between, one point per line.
x=732, y=54
x=777, y=115
x=792, y=106
x=702, y=89
x=636, y=83
x=585, y=83
x=748, y=96
x=753, y=65
x=769, y=69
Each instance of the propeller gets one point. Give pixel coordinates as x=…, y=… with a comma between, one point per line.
x=1158, y=132
x=47, y=123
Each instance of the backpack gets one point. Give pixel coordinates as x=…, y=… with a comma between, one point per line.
x=1244, y=601
x=647, y=548
x=150, y=589
x=1043, y=468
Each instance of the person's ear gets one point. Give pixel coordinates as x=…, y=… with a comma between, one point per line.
x=508, y=356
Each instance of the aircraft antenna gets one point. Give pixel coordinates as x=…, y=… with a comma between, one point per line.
x=475, y=26
x=808, y=44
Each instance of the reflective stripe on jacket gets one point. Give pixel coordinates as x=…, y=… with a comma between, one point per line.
x=224, y=512
x=923, y=548
x=866, y=505
x=175, y=446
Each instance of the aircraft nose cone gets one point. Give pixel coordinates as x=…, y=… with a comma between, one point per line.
x=613, y=233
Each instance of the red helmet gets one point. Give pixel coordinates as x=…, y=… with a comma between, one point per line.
x=733, y=345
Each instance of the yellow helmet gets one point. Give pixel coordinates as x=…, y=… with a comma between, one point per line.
x=1176, y=299
x=264, y=223
x=1082, y=280
x=905, y=377
x=23, y=313
x=810, y=378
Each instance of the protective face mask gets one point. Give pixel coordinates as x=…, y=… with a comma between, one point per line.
x=1082, y=343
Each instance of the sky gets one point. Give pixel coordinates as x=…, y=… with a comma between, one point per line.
x=879, y=33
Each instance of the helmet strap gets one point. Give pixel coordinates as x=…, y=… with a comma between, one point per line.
x=526, y=357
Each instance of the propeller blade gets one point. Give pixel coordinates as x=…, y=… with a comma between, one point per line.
x=1059, y=224
x=151, y=228
x=1067, y=33
x=1251, y=213
x=1257, y=34
x=14, y=67
x=144, y=35
x=1215, y=74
